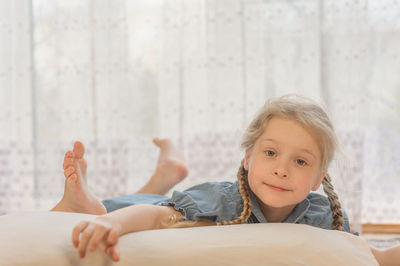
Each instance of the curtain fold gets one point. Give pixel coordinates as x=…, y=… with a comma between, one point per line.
x=17, y=130
x=114, y=74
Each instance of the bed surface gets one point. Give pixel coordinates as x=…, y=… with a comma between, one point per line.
x=44, y=238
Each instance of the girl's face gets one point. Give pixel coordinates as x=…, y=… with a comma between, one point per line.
x=284, y=164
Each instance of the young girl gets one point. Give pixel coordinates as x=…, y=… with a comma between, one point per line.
x=288, y=148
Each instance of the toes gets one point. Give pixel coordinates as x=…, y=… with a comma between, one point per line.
x=69, y=154
x=72, y=178
x=68, y=159
x=156, y=141
x=82, y=164
x=162, y=143
x=165, y=143
x=79, y=149
x=67, y=163
x=69, y=171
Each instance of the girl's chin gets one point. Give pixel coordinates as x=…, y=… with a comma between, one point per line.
x=274, y=203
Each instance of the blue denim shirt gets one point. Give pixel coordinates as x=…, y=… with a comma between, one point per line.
x=221, y=201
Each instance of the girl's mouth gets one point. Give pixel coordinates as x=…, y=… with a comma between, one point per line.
x=276, y=188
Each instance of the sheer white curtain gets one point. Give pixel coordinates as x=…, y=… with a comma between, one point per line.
x=114, y=74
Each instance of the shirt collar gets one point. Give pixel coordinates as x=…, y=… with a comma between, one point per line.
x=256, y=210
x=297, y=213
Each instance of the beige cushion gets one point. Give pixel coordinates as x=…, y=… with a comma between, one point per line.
x=44, y=238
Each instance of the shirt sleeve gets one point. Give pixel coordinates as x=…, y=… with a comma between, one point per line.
x=214, y=201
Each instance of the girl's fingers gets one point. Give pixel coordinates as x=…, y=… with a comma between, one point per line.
x=113, y=252
x=85, y=238
x=98, y=235
x=77, y=230
x=102, y=246
x=112, y=238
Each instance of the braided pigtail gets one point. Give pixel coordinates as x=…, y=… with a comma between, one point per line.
x=337, y=215
x=244, y=216
x=245, y=193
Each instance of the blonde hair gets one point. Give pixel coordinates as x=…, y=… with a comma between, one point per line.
x=312, y=117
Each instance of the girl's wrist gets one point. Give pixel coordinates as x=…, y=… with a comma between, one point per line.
x=107, y=220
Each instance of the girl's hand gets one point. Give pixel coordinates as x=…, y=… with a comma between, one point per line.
x=99, y=233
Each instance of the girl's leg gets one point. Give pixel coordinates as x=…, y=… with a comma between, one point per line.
x=170, y=169
x=77, y=195
x=387, y=257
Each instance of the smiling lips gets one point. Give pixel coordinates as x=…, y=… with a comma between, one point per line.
x=276, y=188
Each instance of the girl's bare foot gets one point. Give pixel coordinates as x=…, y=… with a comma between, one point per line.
x=170, y=169
x=77, y=196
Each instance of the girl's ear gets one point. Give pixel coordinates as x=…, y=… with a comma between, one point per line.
x=246, y=160
x=319, y=181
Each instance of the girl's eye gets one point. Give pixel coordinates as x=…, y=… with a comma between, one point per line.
x=270, y=153
x=301, y=162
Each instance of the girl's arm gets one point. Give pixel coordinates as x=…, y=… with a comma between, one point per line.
x=387, y=257
x=103, y=232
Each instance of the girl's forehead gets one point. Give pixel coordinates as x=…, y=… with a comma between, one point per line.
x=285, y=125
x=289, y=132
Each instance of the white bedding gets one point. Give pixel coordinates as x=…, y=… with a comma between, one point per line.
x=44, y=238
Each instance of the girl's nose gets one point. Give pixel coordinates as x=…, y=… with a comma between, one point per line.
x=280, y=172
